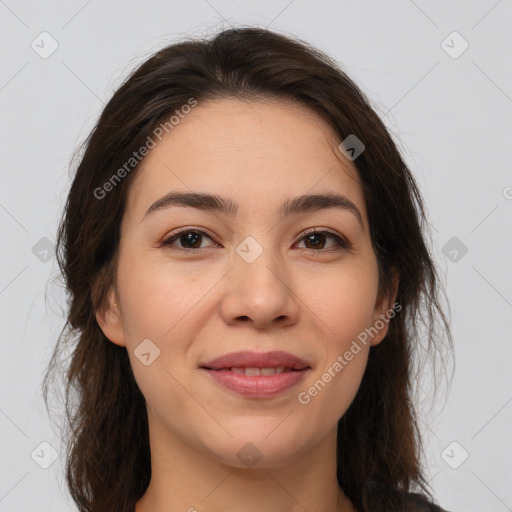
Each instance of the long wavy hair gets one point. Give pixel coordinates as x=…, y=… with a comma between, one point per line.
x=108, y=465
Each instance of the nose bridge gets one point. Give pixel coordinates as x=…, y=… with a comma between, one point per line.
x=258, y=288
x=259, y=266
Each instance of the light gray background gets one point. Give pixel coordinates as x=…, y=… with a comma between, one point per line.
x=453, y=117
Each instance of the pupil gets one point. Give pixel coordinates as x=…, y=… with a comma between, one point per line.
x=191, y=239
x=310, y=238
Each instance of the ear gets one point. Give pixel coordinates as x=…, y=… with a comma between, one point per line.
x=110, y=320
x=384, y=310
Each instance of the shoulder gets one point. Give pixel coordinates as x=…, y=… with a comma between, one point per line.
x=418, y=503
x=383, y=497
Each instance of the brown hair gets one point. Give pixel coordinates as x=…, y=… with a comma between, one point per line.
x=379, y=445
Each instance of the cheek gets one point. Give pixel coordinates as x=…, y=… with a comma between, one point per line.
x=333, y=386
x=167, y=307
x=340, y=302
x=342, y=308
x=157, y=298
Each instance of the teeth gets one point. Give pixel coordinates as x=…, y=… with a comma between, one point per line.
x=259, y=371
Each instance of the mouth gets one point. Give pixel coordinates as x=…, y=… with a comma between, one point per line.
x=256, y=371
x=257, y=375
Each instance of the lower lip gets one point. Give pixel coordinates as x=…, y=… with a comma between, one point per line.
x=257, y=386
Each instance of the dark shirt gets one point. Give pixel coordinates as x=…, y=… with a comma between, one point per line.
x=411, y=502
x=418, y=503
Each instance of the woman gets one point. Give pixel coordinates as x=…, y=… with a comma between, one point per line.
x=243, y=249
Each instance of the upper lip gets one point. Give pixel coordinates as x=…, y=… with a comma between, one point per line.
x=248, y=359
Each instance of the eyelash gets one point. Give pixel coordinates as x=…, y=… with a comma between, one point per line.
x=342, y=243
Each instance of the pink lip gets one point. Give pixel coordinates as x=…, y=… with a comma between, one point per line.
x=247, y=359
x=257, y=386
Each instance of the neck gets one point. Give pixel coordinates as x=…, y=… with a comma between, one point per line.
x=186, y=479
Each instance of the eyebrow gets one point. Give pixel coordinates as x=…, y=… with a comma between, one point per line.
x=215, y=203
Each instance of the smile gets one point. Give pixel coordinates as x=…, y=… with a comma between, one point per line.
x=259, y=371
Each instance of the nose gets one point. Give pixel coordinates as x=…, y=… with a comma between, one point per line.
x=260, y=294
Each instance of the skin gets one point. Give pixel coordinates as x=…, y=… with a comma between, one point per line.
x=198, y=304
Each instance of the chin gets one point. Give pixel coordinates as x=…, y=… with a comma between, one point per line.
x=260, y=445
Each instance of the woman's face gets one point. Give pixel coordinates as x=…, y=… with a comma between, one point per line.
x=247, y=277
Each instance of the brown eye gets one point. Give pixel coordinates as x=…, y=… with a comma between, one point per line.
x=188, y=239
x=317, y=240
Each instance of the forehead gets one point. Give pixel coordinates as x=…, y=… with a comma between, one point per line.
x=258, y=152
